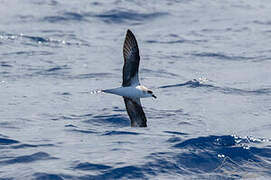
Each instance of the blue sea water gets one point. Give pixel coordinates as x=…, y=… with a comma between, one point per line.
x=208, y=63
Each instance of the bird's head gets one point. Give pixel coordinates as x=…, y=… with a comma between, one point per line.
x=147, y=92
x=150, y=93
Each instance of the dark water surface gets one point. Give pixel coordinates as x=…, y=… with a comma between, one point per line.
x=208, y=62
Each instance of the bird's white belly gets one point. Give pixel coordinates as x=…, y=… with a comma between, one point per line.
x=132, y=92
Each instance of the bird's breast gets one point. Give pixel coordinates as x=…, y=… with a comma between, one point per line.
x=131, y=92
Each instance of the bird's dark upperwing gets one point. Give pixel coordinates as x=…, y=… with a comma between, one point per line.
x=135, y=112
x=131, y=60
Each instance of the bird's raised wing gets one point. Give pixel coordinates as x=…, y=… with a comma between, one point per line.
x=131, y=60
x=135, y=112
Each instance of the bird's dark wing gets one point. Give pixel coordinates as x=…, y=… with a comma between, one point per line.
x=131, y=60
x=135, y=112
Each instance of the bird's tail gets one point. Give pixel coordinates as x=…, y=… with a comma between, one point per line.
x=107, y=90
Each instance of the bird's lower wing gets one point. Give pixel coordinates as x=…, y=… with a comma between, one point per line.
x=135, y=112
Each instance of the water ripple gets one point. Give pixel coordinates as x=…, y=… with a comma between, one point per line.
x=92, y=75
x=206, y=142
x=29, y=53
x=117, y=120
x=179, y=41
x=66, y=16
x=126, y=172
x=262, y=22
x=36, y=41
x=5, y=64
x=36, y=38
x=175, y=133
x=90, y=166
x=57, y=70
x=6, y=141
x=191, y=83
x=121, y=16
x=82, y=131
x=220, y=152
x=111, y=16
x=222, y=56
x=160, y=72
x=23, y=146
x=110, y=133
x=47, y=176
x=225, y=90
x=27, y=158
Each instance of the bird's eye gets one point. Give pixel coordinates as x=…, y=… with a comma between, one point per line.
x=149, y=91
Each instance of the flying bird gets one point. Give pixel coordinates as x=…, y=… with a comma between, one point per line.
x=131, y=90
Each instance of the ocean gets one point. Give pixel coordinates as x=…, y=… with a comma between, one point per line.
x=208, y=62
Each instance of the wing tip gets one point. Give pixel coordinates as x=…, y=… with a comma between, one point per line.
x=129, y=31
x=130, y=42
x=130, y=36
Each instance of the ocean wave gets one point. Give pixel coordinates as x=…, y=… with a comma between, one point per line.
x=27, y=158
x=177, y=41
x=209, y=156
x=110, y=133
x=6, y=141
x=127, y=172
x=36, y=41
x=222, y=56
x=92, y=75
x=268, y=23
x=55, y=71
x=23, y=146
x=160, y=73
x=82, y=131
x=127, y=16
x=28, y=53
x=48, y=176
x=116, y=120
x=90, y=167
x=225, y=90
x=112, y=16
x=221, y=153
x=64, y=17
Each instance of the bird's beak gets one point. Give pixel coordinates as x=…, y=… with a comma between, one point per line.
x=154, y=96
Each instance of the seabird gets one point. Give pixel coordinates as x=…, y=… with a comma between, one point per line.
x=131, y=90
